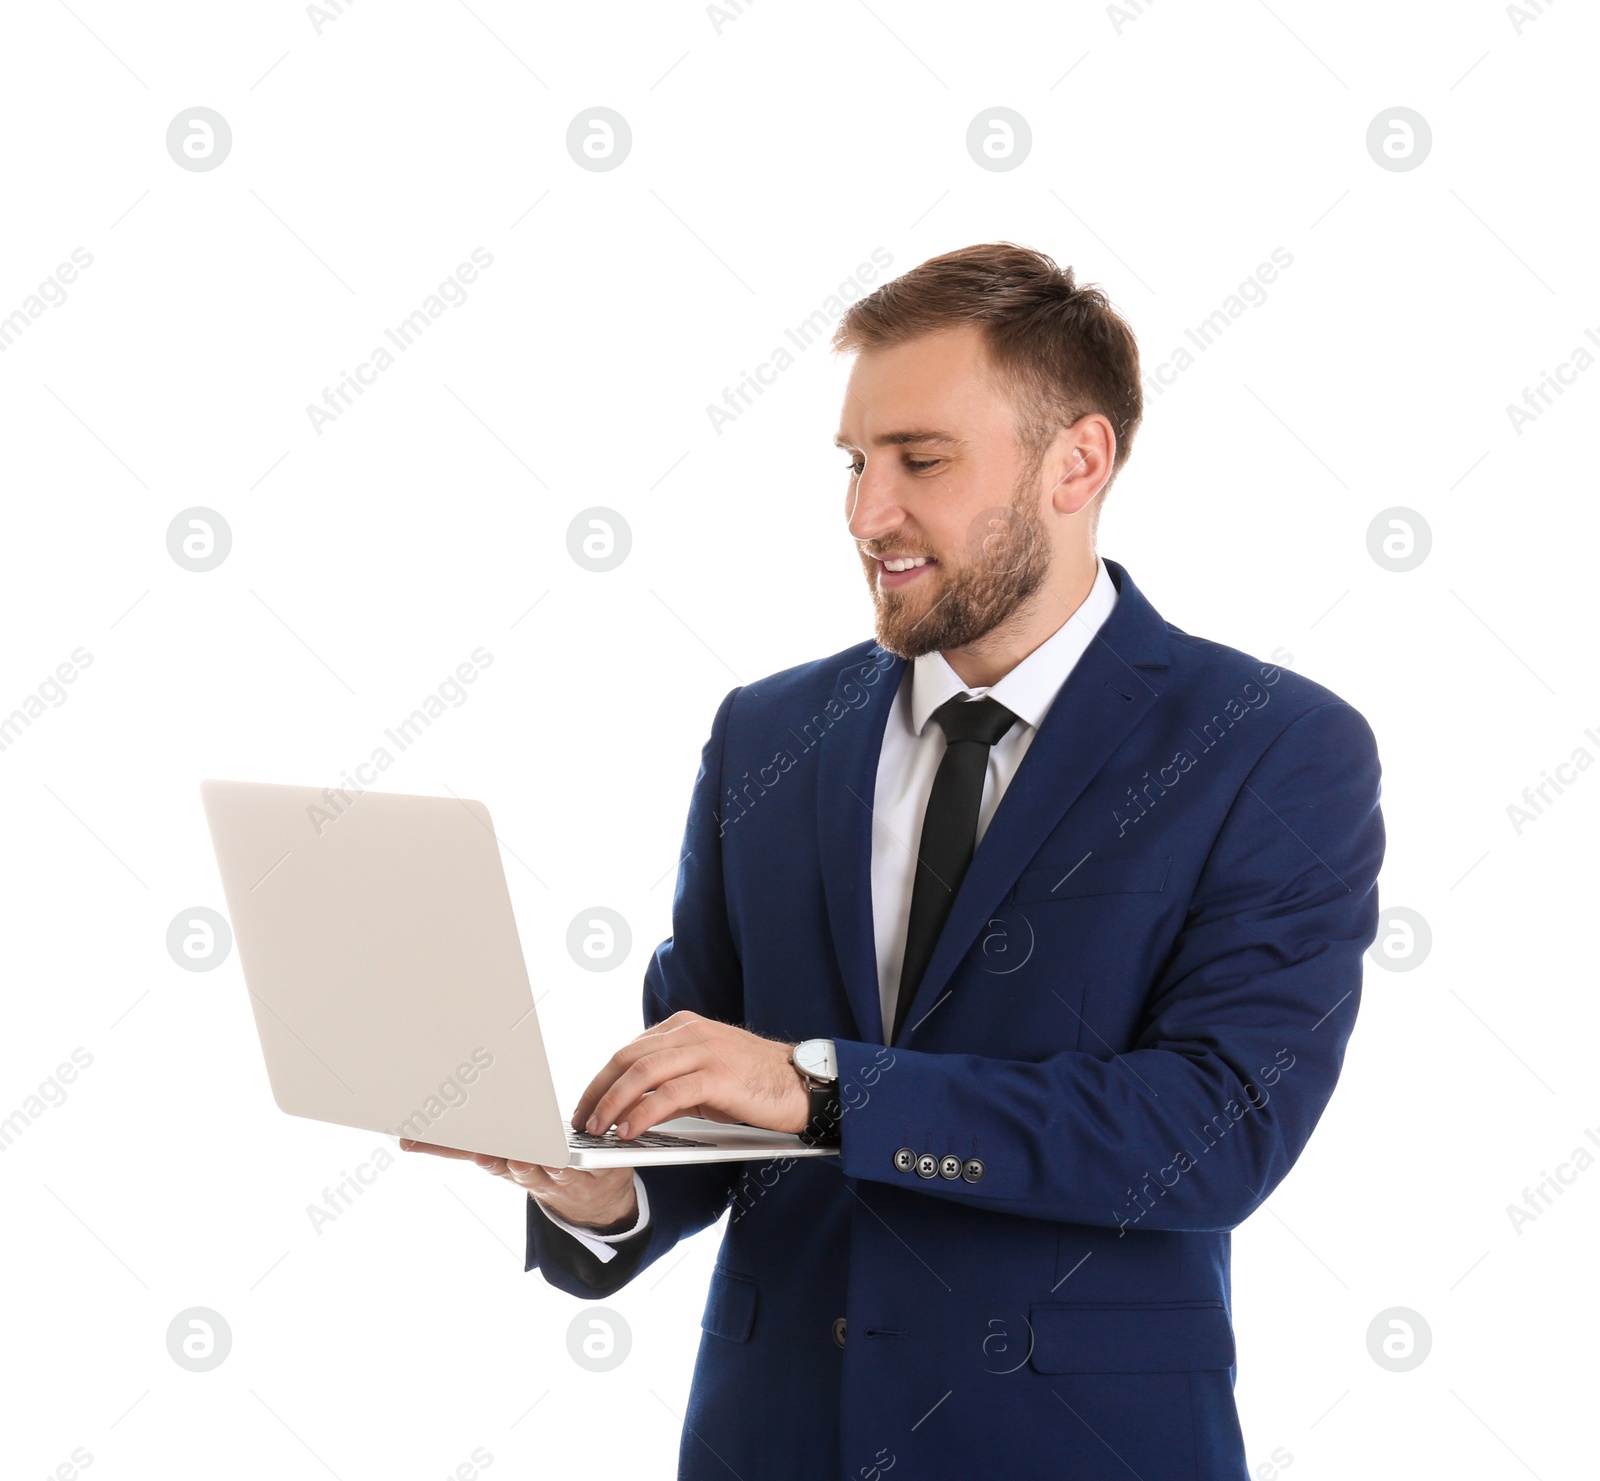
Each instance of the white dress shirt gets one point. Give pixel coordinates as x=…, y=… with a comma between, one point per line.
x=913, y=745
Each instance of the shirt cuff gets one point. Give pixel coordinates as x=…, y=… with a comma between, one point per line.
x=604, y=1246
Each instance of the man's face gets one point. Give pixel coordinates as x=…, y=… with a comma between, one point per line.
x=945, y=514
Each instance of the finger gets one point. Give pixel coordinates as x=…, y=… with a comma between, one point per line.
x=619, y=1065
x=535, y=1178
x=616, y=1066
x=644, y=1075
x=648, y=1042
x=674, y=1098
x=411, y=1146
x=566, y=1177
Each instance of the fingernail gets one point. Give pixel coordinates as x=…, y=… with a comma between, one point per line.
x=622, y=1132
x=589, y=1125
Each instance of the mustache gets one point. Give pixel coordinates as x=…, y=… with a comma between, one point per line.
x=877, y=549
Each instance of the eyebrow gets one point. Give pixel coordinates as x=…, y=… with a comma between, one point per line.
x=902, y=439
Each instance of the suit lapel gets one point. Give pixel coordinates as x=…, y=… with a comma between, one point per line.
x=1103, y=700
x=847, y=778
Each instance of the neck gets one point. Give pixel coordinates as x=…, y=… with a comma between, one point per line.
x=993, y=656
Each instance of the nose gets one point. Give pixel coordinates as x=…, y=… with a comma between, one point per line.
x=872, y=510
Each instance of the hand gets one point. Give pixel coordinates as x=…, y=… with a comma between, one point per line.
x=692, y=1066
x=595, y=1198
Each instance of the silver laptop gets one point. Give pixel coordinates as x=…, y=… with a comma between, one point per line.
x=381, y=955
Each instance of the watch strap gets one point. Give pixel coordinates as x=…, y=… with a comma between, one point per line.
x=822, y=1130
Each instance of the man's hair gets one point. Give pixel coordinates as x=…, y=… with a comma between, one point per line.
x=1058, y=349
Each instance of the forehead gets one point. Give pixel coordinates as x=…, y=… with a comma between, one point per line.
x=939, y=382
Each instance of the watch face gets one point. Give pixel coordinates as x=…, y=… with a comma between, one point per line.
x=816, y=1058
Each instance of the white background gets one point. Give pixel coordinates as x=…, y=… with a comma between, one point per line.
x=772, y=152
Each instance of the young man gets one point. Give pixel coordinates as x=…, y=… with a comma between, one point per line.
x=1076, y=903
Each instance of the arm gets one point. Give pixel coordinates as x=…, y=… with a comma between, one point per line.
x=696, y=969
x=602, y=1241
x=1243, y=1037
x=593, y=1264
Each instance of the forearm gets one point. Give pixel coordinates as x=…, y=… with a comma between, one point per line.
x=1152, y=1139
x=675, y=1202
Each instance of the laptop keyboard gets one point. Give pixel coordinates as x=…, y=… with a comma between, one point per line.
x=649, y=1139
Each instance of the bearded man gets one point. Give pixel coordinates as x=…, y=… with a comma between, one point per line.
x=1060, y=907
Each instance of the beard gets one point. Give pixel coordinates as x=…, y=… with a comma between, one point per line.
x=1006, y=560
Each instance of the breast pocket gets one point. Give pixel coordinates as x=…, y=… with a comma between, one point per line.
x=1144, y=875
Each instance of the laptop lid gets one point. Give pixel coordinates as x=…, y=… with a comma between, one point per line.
x=380, y=951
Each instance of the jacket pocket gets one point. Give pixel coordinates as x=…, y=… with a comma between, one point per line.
x=730, y=1306
x=1146, y=875
x=1171, y=1337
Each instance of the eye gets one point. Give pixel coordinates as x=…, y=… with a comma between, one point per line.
x=854, y=467
x=923, y=466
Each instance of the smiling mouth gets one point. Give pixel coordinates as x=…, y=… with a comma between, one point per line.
x=897, y=570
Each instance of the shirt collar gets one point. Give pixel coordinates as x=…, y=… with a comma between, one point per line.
x=1030, y=688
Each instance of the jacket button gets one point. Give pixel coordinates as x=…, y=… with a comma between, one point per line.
x=972, y=1169
x=949, y=1166
x=927, y=1165
x=838, y=1330
x=905, y=1159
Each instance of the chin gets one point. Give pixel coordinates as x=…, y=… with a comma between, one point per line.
x=902, y=630
x=904, y=638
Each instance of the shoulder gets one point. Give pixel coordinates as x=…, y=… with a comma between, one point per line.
x=1206, y=674
x=815, y=682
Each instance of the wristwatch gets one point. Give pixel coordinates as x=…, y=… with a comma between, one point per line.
x=817, y=1065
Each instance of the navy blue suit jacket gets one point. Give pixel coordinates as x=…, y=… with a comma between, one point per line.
x=1133, y=1019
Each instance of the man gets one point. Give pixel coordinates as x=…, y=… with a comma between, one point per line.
x=1080, y=902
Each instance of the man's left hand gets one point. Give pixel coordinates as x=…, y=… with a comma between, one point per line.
x=692, y=1066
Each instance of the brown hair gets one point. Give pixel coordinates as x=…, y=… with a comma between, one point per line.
x=1059, y=350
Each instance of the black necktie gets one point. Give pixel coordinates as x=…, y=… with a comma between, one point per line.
x=949, y=831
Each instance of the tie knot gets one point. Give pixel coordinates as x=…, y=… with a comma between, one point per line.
x=981, y=720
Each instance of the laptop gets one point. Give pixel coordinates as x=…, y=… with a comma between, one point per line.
x=388, y=984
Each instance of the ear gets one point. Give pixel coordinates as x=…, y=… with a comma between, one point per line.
x=1079, y=463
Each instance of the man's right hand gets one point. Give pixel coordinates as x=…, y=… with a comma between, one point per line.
x=601, y=1199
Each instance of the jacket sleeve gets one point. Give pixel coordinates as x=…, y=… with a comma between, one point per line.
x=1242, y=1037
x=696, y=968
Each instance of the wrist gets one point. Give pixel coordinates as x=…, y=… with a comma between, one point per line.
x=815, y=1062
x=608, y=1221
x=797, y=1105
